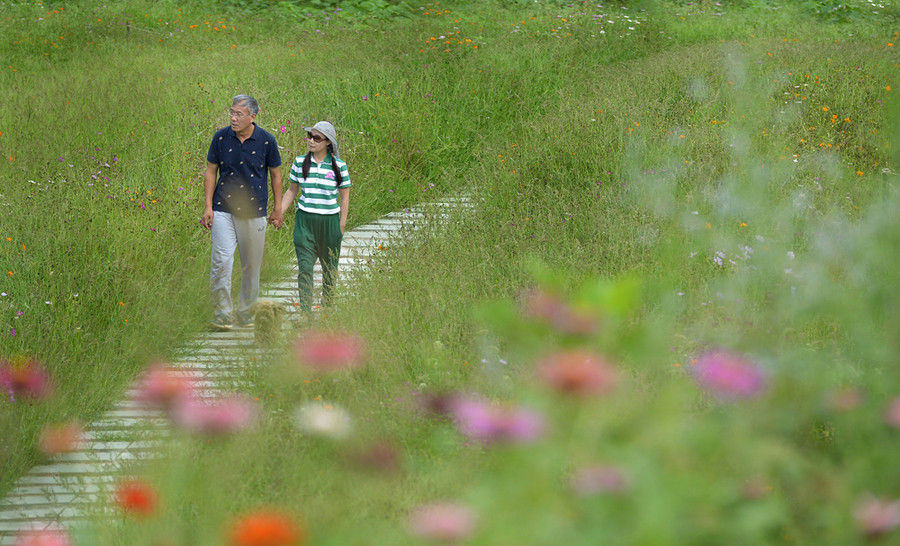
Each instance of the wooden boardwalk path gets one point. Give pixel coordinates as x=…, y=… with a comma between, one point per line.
x=71, y=486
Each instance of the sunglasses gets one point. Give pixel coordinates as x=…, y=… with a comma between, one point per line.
x=315, y=138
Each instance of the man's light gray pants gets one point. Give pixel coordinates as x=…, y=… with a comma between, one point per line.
x=249, y=236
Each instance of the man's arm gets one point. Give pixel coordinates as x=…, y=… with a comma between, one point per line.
x=277, y=216
x=209, y=188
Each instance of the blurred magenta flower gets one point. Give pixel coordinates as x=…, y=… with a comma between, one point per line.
x=578, y=372
x=25, y=378
x=728, y=376
x=877, y=517
x=322, y=419
x=892, y=413
x=593, y=480
x=481, y=421
x=163, y=386
x=329, y=351
x=547, y=308
x=445, y=522
x=283, y=129
x=215, y=416
x=49, y=534
x=61, y=438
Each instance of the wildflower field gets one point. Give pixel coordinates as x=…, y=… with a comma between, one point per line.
x=673, y=318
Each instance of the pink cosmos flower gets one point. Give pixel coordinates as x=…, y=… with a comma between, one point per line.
x=547, y=308
x=61, y=438
x=877, y=517
x=481, y=421
x=49, y=535
x=329, y=351
x=593, y=480
x=446, y=522
x=163, y=386
x=283, y=129
x=892, y=412
x=219, y=416
x=728, y=376
x=25, y=378
x=578, y=372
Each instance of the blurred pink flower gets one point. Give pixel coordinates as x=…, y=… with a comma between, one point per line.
x=163, y=386
x=283, y=129
x=218, y=416
x=729, y=376
x=25, y=378
x=60, y=438
x=876, y=517
x=445, y=522
x=481, y=421
x=548, y=308
x=892, y=412
x=578, y=372
x=329, y=351
x=49, y=535
x=845, y=399
x=593, y=480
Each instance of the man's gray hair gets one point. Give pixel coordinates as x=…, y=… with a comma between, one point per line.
x=248, y=102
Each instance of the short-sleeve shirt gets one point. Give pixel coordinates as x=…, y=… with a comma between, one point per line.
x=243, y=171
x=319, y=190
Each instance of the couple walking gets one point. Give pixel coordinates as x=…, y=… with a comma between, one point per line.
x=241, y=159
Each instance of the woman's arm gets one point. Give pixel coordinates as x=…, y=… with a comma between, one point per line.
x=345, y=206
x=288, y=199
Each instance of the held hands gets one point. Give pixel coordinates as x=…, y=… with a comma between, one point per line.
x=276, y=218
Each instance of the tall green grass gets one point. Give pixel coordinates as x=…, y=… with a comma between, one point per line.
x=615, y=184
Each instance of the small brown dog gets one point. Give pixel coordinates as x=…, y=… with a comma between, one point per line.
x=268, y=321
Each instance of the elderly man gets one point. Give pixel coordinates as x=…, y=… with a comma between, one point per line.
x=241, y=158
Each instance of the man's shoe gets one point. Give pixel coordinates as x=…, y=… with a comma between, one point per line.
x=245, y=321
x=220, y=324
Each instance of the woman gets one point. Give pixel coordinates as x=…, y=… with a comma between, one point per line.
x=320, y=177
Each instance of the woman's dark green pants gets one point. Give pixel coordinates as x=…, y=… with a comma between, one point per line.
x=317, y=236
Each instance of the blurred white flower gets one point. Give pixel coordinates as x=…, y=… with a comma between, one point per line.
x=323, y=419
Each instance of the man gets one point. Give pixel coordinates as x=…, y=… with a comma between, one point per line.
x=242, y=157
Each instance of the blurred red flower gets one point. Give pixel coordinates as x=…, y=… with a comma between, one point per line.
x=137, y=497
x=266, y=528
x=445, y=522
x=729, y=376
x=60, y=438
x=329, y=351
x=578, y=372
x=24, y=378
x=163, y=386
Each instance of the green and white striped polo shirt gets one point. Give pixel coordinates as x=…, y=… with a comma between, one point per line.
x=318, y=192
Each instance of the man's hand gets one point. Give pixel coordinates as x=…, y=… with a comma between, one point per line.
x=207, y=218
x=343, y=225
x=276, y=218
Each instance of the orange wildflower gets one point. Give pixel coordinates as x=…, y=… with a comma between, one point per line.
x=266, y=528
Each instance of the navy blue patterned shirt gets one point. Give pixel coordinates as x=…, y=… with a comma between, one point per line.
x=243, y=171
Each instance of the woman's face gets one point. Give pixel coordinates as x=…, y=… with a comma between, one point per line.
x=317, y=142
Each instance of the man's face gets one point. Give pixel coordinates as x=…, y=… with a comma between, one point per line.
x=241, y=118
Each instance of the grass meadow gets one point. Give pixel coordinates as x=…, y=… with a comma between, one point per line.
x=689, y=182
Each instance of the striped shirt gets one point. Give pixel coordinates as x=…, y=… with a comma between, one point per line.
x=318, y=192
